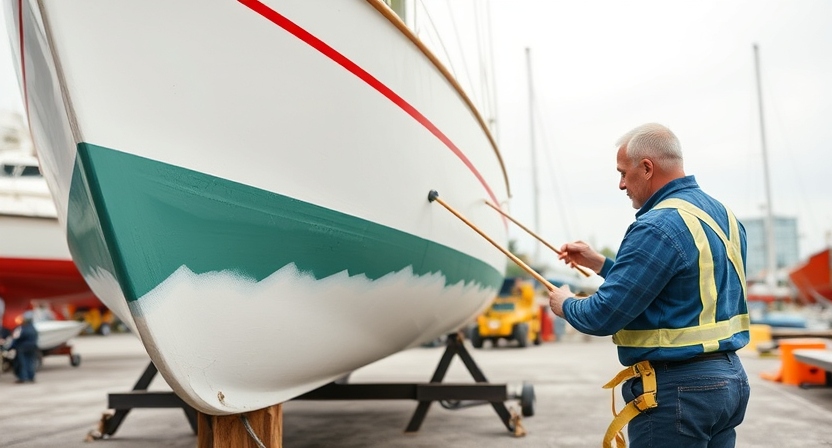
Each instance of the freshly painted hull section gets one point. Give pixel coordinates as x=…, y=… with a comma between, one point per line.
x=161, y=217
x=223, y=261
x=253, y=197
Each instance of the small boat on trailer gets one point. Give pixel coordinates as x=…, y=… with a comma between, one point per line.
x=245, y=183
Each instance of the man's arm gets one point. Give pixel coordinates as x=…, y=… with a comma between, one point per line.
x=646, y=261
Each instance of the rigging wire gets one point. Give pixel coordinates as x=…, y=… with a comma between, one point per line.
x=802, y=202
x=493, y=77
x=439, y=38
x=561, y=192
x=486, y=59
x=481, y=95
x=462, y=52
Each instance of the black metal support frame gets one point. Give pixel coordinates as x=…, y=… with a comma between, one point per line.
x=424, y=393
x=140, y=397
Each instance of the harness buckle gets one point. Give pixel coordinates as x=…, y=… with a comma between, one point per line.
x=643, y=402
x=646, y=401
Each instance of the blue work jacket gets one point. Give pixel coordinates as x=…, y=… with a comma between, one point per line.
x=655, y=280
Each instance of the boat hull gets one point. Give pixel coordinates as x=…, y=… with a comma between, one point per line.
x=253, y=198
x=35, y=264
x=813, y=279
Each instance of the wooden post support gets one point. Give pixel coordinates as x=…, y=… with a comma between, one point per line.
x=229, y=431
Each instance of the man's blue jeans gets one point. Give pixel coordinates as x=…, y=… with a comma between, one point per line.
x=700, y=404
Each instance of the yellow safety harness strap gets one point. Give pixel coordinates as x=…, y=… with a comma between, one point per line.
x=643, y=402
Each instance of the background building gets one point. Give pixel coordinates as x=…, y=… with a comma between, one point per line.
x=785, y=242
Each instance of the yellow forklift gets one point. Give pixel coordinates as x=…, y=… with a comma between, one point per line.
x=514, y=316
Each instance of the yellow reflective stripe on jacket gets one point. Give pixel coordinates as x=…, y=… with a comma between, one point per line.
x=707, y=281
x=683, y=337
x=732, y=243
x=709, y=332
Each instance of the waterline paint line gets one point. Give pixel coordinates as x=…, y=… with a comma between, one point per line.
x=201, y=328
x=141, y=220
x=333, y=54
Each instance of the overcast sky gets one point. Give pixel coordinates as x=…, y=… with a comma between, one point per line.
x=602, y=67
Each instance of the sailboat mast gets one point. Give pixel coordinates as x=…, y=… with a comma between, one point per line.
x=771, y=263
x=536, y=185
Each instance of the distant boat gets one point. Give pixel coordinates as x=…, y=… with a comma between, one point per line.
x=35, y=264
x=246, y=182
x=813, y=279
x=55, y=333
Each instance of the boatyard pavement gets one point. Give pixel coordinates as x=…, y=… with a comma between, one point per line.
x=571, y=409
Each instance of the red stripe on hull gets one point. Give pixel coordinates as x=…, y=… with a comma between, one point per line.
x=333, y=54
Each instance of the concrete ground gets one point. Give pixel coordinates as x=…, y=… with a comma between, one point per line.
x=572, y=410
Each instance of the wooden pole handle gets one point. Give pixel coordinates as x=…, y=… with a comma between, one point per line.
x=586, y=272
x=434, y=196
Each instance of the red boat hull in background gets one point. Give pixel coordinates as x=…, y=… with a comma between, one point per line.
x=54, y=282
x=813, y=280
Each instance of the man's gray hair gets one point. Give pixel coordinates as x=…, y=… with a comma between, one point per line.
x=655, y=142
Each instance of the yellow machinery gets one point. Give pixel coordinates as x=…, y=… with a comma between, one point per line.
x=514, y=315
x=100, y=320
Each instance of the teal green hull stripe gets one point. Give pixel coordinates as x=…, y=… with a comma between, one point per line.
x=141, y=220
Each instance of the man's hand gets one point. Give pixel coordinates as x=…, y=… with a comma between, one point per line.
x=557, y=297
x=580, y=253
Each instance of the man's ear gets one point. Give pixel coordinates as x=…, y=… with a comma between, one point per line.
x=647, y=166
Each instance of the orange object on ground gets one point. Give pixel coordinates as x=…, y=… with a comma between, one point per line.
x=793, y=371
x=547, y=326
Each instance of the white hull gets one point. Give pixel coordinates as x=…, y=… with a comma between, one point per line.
x=223, y=90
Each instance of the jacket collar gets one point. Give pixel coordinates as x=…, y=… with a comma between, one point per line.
x=683, y=183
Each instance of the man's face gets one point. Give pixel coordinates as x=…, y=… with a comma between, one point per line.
x=634, y=178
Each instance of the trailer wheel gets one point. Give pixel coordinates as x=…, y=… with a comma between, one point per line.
x=521, y=334
x=75, y=360
x=476, y=339
x=527, y=400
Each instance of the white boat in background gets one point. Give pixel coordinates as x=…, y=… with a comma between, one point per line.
x=55, y=333
x=246, y=182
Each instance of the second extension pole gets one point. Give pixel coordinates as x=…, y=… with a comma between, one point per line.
x=434, y=196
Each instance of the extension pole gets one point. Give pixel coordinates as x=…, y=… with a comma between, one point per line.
x=434, y=196
x=580, y=269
